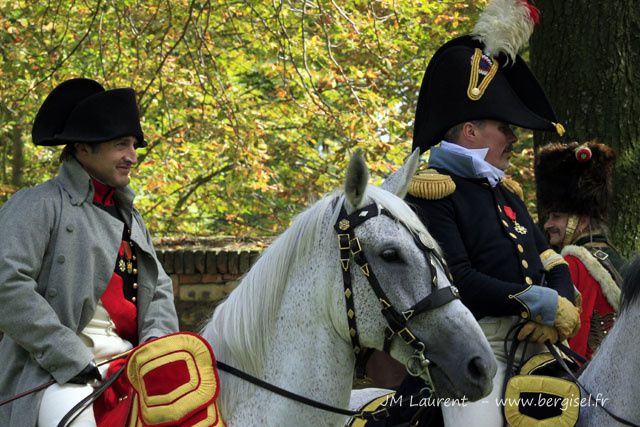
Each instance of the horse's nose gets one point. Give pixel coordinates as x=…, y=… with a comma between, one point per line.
x=480, y=369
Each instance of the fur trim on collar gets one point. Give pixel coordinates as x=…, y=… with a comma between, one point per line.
x=598, y=272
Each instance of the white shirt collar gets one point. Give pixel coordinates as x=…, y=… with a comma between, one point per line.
x=482, y=168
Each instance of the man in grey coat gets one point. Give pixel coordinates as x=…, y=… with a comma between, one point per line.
x=79, y=278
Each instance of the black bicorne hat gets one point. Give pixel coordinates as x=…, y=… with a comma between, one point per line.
x=480, y=76
x=575, y=178
x=81, y=110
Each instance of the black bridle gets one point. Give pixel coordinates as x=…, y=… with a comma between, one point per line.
x=397, y=321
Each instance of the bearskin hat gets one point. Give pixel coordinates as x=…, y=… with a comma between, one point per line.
x=575, y=178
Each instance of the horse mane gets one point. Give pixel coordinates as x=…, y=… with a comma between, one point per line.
x=631, y=283
x=246, y=318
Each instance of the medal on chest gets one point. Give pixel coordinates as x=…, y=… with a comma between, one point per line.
x=125, y=257
x=510, y=213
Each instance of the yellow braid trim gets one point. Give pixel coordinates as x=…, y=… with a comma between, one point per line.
x=475, y=90
x=431, y=185
x=513, y=186
x=559, y=128
x=551, y=258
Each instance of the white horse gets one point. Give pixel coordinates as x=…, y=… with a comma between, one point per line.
x=612, y=374
x=286, y=323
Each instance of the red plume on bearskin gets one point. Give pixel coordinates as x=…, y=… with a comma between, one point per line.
x=570, y=181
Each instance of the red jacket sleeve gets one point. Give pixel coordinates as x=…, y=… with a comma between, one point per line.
x=588, y=287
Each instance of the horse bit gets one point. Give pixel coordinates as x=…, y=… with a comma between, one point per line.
x=350, y=248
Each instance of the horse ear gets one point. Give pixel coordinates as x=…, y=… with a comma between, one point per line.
x=398, y=182
x=357, y=178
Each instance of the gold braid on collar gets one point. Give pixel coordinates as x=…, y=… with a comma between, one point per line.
x=513, y=186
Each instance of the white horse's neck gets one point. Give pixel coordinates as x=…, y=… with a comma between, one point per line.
x=612, y=375
x=317, y=364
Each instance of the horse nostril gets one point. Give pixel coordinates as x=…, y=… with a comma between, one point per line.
x=477, y=369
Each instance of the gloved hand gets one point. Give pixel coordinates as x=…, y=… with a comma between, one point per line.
x=88, y=375
x=567, y=318
x=538, y=333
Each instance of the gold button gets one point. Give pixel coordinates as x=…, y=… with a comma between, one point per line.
x=499, y=208
x=525, y=264
x=506, y=224
x=520, y=248
x=135, y=286
x=528, y=280
x=513, y=236
x=524, y=314
x=539, y=318
x=135, y=271
x=134, y=299
x=133, y=258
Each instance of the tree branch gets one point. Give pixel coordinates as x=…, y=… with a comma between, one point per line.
x=61, y=62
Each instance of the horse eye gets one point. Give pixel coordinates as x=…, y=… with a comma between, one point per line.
x=390, y=255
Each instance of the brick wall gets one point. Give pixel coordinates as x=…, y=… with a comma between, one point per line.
x=204, y=271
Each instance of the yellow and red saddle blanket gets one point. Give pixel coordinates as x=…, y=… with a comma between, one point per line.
x=168, y=381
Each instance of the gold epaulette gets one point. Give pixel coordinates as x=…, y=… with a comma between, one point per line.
x=431, y=185
x=513, y=186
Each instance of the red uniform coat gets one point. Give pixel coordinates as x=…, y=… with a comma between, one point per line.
x=600, y=299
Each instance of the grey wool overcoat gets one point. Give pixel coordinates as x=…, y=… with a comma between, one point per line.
x=57, y=254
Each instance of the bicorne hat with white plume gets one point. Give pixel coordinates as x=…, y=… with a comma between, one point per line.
x=481, y=76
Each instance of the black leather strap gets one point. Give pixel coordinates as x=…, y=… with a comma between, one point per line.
x=296, y=397
x=88, y=401
x=436, y=299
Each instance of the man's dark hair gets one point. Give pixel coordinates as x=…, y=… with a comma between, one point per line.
x=69, y=151
x=454, y=132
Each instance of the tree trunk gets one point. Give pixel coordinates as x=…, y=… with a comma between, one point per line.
x=586, y=54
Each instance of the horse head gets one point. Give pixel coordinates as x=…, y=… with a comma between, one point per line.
x=405, y=276
x=293, y=323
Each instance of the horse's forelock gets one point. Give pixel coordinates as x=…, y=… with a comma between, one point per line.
x=631, y=284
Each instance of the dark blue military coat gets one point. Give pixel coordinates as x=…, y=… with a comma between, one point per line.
x=492, y=246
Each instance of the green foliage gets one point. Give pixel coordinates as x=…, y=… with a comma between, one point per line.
x=251, y=108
